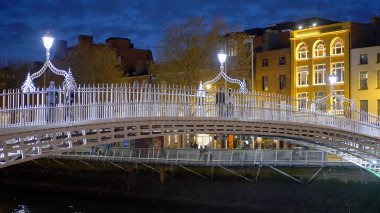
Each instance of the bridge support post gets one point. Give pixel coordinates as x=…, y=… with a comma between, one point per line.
x=257, y=174
x=162, y=175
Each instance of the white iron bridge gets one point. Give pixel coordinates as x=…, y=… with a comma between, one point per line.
x=32, y=126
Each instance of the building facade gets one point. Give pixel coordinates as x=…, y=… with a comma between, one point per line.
x=365, y=78
x=317, y=53
x=273, y=71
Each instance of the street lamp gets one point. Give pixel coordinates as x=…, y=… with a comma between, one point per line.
x=222, y=59
x=48, y=42
x=333, y=79
x=69, y=82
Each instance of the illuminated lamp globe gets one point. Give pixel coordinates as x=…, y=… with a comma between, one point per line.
x=48, y=41
x=332, y=79
x=208, y=86
x=222, y=57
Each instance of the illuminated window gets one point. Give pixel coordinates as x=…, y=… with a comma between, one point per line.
x=363, y=59
x=363, y=80
x=282, y=82
x=378, y=78
x=338, y=104
x=320, y=95
x=378, y=107
x=338, y=47
x=364, y=105
x=232, y=48
x=302, y=100
x=319, y=49
x=282, y=61
x=302, y=51
x=265, y=83
x=378, y=58
x=265, y=62
x=338, y=70
x=303, y=74
x=319, y=73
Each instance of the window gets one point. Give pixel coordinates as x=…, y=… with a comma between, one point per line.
x=265, y=62
x=378, y=79
x=378, y=58
x=302, y=51
x=321, y=105
x=363, y=80
x=337, y=103
x=232, y=48
x=302, y=100
x=282, y=82
x=364, y=105
x=338, y=47
x=338, y=70
x=363, y=59
x=282, y=61
x=265, y=83
x=319, y=71
x=378, y=107
x=303, y=74
x=319, y=49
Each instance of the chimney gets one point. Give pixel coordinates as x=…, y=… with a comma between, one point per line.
x=375, y=21
x=85, y=39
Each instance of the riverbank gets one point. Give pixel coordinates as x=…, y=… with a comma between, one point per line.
x=332, y=190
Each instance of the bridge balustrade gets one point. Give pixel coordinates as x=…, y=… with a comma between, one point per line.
x=90, y=103
x=213, y=157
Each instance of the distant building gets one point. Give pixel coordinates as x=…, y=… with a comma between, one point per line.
x=134, y=62
x=273, y=71
x=7, y=78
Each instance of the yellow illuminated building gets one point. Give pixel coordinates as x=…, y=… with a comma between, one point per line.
x=273, y=71
x=365, y=78
x=316, y=53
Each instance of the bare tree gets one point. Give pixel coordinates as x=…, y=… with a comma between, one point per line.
x=92, y=64
x=187, y=54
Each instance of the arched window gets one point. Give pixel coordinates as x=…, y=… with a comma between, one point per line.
x=319, y=49
x=337, y=46
x=302, y=51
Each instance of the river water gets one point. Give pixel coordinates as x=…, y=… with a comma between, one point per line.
x=29, y=202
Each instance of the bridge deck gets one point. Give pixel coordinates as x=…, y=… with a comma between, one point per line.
x=212, y=157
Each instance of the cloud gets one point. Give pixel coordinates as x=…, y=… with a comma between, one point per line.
x=25, y=21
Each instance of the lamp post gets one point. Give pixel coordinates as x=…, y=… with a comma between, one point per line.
x=333, y=79
x=222, y=59
x=48, y=42
x=69, y=82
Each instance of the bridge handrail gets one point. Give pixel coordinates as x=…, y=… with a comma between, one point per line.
x=242, y=157
x=86, y=103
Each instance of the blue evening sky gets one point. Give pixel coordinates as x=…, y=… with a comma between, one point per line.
x=24, y=22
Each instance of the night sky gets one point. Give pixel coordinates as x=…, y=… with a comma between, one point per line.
x=24, y=22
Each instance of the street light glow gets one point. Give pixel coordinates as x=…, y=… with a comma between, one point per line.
x=222, y=57
x=48, y=41
x=332, y=79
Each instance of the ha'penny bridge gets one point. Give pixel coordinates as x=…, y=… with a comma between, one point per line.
x=68, y=121
x=105, y=114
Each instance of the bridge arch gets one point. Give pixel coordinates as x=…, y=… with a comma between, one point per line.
x=107, y=114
